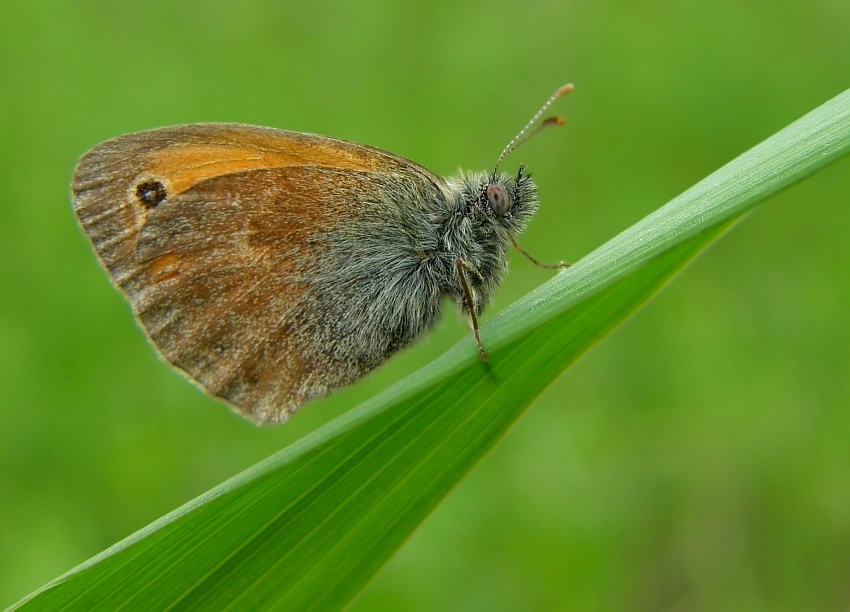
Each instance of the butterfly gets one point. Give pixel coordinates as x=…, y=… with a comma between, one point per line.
x=272, y=267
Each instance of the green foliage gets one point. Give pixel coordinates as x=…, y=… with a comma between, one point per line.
x=695, y=459
x=312, y=524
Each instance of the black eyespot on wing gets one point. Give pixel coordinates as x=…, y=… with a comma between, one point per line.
x=150, y=193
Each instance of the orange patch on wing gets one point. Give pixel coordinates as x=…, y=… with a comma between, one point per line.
x=187, y=165
x=164, y=267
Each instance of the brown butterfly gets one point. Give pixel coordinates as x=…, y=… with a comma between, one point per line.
x=272, y=267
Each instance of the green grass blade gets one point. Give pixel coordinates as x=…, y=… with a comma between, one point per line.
x=312, y=524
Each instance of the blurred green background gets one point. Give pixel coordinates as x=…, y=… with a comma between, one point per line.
x=697, y=459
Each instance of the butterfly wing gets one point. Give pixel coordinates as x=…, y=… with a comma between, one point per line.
x=228, y=242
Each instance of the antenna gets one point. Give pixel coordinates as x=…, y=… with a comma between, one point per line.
x=549, y=122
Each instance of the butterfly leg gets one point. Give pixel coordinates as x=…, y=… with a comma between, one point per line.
x=561, y=265
x=470, y=302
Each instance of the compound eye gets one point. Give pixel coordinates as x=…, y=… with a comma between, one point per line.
x=500, y=201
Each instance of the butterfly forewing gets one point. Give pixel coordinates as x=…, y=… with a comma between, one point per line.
x=225, y=238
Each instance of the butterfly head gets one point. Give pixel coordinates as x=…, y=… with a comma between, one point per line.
x=508, y=201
